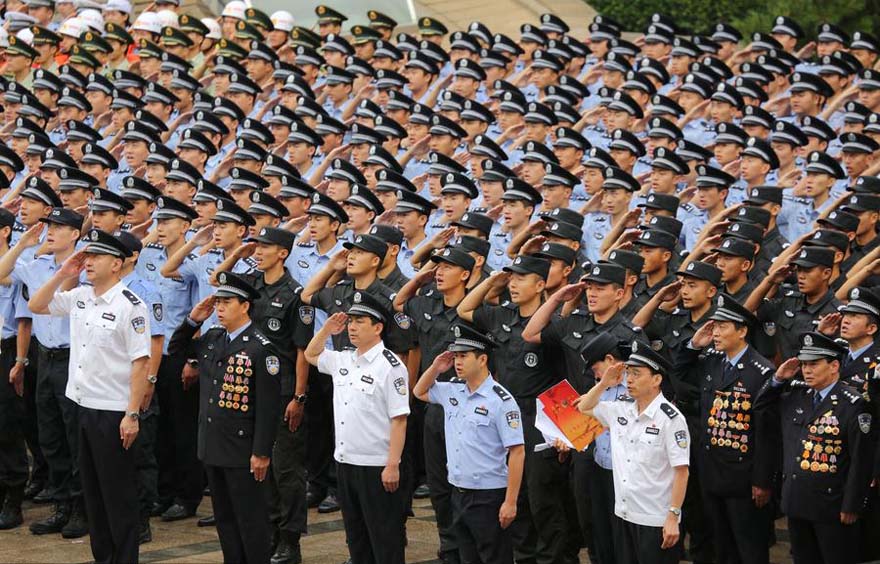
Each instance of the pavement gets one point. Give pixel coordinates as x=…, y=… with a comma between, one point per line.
x=183, y=542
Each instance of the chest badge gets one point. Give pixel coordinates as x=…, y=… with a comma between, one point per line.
x=531, y=360
x=274, y=324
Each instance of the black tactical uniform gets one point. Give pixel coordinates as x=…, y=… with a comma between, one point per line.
x=786, y=317
x=827, y=458
x=281, y=316
x=238, y=418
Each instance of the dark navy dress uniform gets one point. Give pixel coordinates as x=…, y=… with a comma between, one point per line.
x=738, y=445
x=238, y=418
x=828, y=456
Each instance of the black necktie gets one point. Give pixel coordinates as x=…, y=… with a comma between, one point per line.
x=817, y=399
x=728, y=370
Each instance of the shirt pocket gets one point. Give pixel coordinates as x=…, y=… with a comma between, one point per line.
x=363, y=392
x=650, y=441
x=103, y=332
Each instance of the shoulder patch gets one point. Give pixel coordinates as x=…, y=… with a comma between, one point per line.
x=502, y=393
x=389, y=356
x=131, y=297
x=668, y=410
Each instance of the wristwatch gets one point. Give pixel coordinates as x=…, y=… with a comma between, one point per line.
x=152, y=379
x=675, y=511
x=133, y=415
x=23, y=360
x=300, y=398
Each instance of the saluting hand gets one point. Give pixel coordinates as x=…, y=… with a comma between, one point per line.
x=444, y=361
x=259, y=467
x=336, y=323
x=569, y=292
x=203, y=309
x=788, y=369
x=703, y=337
x=73, y=265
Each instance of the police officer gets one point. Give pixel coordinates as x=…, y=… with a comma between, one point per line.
x=795, y=311
x=827, y=451
x=371, y=404
x=288, y=323
x=650, y=455
x=433, y=314
x=484, y=439
x=109, y=362
x=238, y=414
x=738, y=445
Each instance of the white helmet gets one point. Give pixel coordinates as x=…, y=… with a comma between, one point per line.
x=282, y=20
x=235, y=9
x=214, y=31
x=148, y=21
x=26, y=35
x=123, y=6
x=167, y=18
x=93, y=19
x=73, y=27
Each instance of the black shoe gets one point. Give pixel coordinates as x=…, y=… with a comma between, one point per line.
x=78, y=525
x=146, y=534
x=159, y=508
x=178, y=512
x=329, y=504
x=10, y=517
x=422, y=492
x=43, y=496
x=54, y=522
x=208, y=521
x=32, y=489
x=288, y=551
x=313, y=498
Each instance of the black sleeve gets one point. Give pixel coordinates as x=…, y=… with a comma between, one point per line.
x=767, y=459
x=268, y=407
x=182, y=339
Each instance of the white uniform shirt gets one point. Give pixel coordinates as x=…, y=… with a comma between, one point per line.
x=107, y=333
x=644, y=451
x=368, y=391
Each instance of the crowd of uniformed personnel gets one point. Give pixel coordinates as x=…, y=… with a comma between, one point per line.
x=335, y=267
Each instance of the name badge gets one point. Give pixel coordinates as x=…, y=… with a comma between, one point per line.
x=367, y=379
x=481, y=411
x=652, y=431
x=108, y=316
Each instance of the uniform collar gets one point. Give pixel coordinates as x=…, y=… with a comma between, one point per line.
x=110, y=294
x=854, y=354
x=239, y=331
x=652, y=407
x=484, y=390
x=733, y=361
x=371, y=354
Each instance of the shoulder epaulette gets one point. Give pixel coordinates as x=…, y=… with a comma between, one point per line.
x=157, y=246
x=298, y=289
x=457, y=380
x=668, y=410
x=764, y=369
x=852, y=396
x=262, y=338
x=391, y=358
x=131, y=296
x=20, y=227
x=502, y=393
x=216, y=251
x=710, y=350
x=305, y=245
x=250, y=262
x=797, y=384
x=345, y=282
x=192, y=256
x=509, y=305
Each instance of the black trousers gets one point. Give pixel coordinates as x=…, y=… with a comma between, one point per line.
x=287, y=483
x=869, y=523
x=741, y=530
x=108, y=473
x=813, y=542
x=57, y=417
x=640, y=544
x=594, y=494
x=551, y=503
x=436, y=475
x=481, y=540
x=242, y=515
x=181, y=477
x=694, y=521
x=374, y=519
x=39, y=466
x=13, y=453
x=320, y=443
x=145, y=460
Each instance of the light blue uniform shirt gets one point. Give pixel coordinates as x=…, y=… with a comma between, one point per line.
x=304, y=262
x=602, y=450
x=404, y=256
x=596, y=227
x=480, y=427
x=176, y=293
x=148, y=292
x=51, y=331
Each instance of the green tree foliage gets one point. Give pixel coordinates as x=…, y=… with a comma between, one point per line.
x=699, y=16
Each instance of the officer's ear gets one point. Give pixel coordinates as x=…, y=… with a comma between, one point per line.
x=465, y=275
x=566, y=271
x=394, y=250
x=827, y=272
x=872, y=326
x=712, y=291
x=745, y=265
x=284, y=254
x=618, y=292
x=667, y=255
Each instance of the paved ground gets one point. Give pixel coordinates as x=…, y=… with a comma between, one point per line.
x=183, y=542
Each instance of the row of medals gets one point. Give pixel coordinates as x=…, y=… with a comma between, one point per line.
x=236, y=384
x=820, y=454
x=721, y=422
